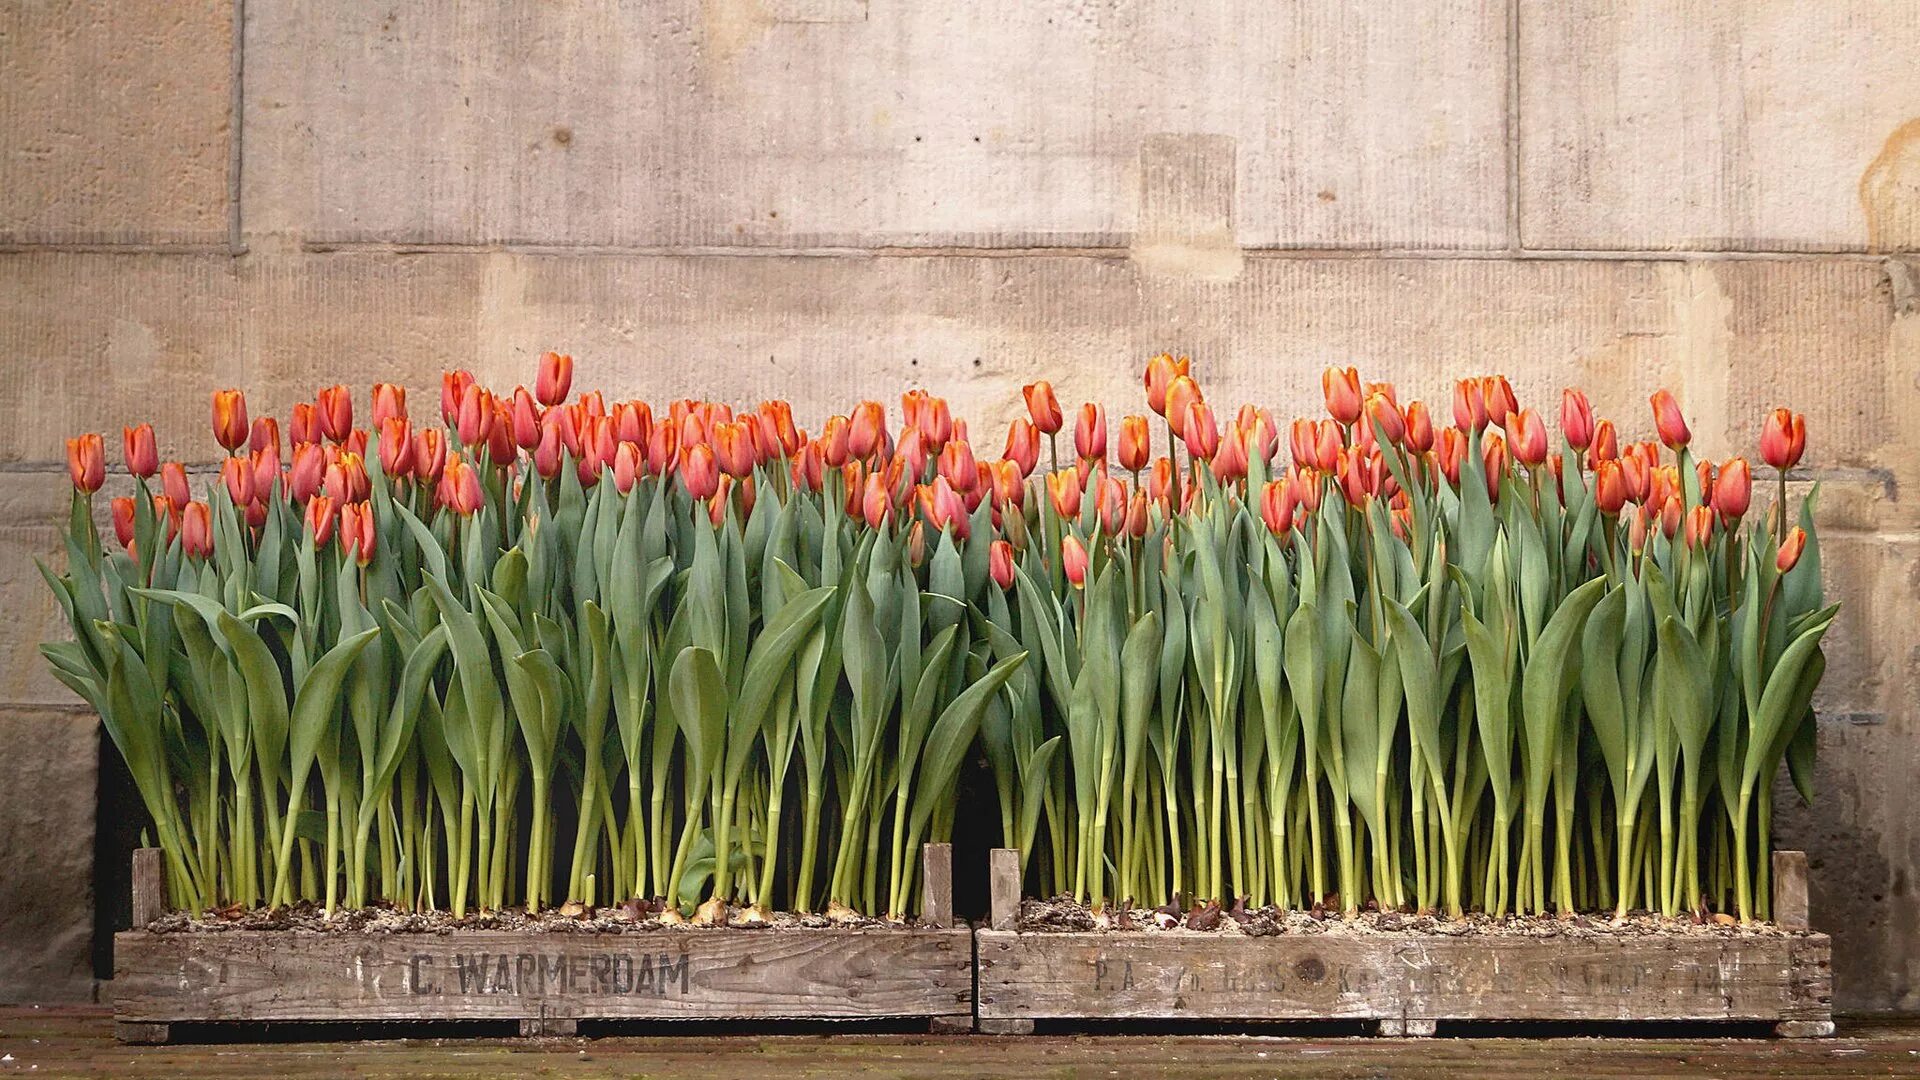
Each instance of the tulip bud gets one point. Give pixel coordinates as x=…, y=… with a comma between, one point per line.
x=1783, y=439
x=1419, y=428
x=429, y=455
x=524, y=418
x=1606, y=441
x=1668, y=421
x=320, y=517
x=1199, y=432
x=1023, y=445
x=173, y=481
x=1609, y=487
x=626, y=468
x=123, y=512
x=1733, y=489
x=1182, y=394
x=87, y=463
x=934, y=421
x=336, y=412
x=1090, y=432
x=700, y=471
x=1229, y=461
x=1699, y=527
x=356, y=532
x=1137, y=515
x=396, y=448
x=453, y=389
x=1790, y=549
x=554, y=380
x=834, y=451
x=1342, y=389
x=230, y=418
x=143, y=457
x=1043, y=406
x=1529, y=437
x=1136, y=443
x=196, y=530
x=1384, y=416
x=1110, y=501
x=1276, y=507
x=1160, y=480
x=304, y=425
x=1162, y=370
x=867, y=430
x=663, y=449
x=1063, y=489
x=957, y=466
x=1469, y=406
x=1498, y=394
x=1000, y=564
x=1073, y=559
x=1670, y=516
x=1576, y=419
x=1494, y=453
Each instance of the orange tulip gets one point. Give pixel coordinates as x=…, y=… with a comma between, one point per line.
x=1609, y=486
x=1043, y=406
x=868, y=429
x=733, y=449
x=626, y=468
x=810, y=466
x=1498, y=394
x=237, y=474
x=1668, y=421
x=1699, y=527
x=554, y=380
x=87, y=463
x=304, y=425
x=833, y=443
x=1529, y=437
x=196, y=530
x=1277, y=506
x=1136, y=443
x=1162, y=370
x=1733, y=489
x=1182, y=394
x=1451, y=452
x=1160, y=480
x=143, y=457
x=1606, y=441
x=173, y=481
x=453, y=388
x=1783, y=439
x=463, y=493
x=1342, y=389
x=389, y=402
x=876, y=500
x=319, y=516
x=1229, y=460
x=663, y=448
x=123, y=512
x=1576, y=419
x=1063, y=489
x=429, y=455
x=1384, y=416
x=475, y=419
x=1000, y=564
x=1419, y=428
x=1494, y=454
x=524, y=418
x=336, y=412
x=1199, y=432
x=700, y=471
x=1110, y=502
x=1790, y=549
x=935, y=423
x=1090, y=432
x=230, y=418
x=957, y=466
x=396, y=448
x=1073, y=559
x=1469, y=406
x=356, y=532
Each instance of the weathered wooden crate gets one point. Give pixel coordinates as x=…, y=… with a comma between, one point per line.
x=1403, y=983
x=548, y=981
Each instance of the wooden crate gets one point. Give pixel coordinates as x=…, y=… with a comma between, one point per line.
x=1403, y=983
x=548, y=981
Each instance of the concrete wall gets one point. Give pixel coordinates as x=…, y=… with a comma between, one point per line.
x=824, y=198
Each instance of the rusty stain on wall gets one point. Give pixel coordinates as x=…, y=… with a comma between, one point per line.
x=1890, y=192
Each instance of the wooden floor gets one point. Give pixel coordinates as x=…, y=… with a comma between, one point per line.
x=79, y=1042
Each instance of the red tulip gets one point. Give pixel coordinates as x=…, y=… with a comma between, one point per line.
x=1326, y=446
x=389, y=402
x=1162, y=370
x=430, y=455
x=1529, y=437
x=1790, y=549
x=143, y=457
x=462, y=482
x=1576, y=419
x=1043, y=406
x=347, y=479
x=453, y=390
x=1733, y=489
x=123, y=511
x=173, y=481
x=957, y=467
x=237, y=474
x=663, y=449
x=1783, y=439
x=555, y=379
x=626, y=468
x=474, y=422
x=1000, y=564
x=87, y=463
x=336, y=412
x=1342, y=389
x=1073, y=559
x=524, y=418
x=700, y=471
x=230, y=418
x=1090, y=432
x=1419, y=428
x=1450, y=452
x=1668, y=421
x=1670, y=517
x=1699, y=527
x=867, y=430
x=304, y=425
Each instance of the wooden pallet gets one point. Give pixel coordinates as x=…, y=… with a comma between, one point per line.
x=548, y=981
x=1402, y=983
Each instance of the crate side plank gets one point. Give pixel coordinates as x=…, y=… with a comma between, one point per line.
x=1138, y=976
x=748, y=974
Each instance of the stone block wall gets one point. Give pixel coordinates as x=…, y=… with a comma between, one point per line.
x=820, y=199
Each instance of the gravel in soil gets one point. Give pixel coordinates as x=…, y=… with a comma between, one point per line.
x=1063, y=914
x=628, y=918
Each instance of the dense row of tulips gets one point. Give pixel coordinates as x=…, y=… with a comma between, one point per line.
x=1441, y=667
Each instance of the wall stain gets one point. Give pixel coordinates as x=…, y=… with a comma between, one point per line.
x=1890, y=192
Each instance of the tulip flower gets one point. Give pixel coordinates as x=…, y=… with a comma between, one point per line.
x=142, y=456
x=733, y=449
x=1609, y=486
x=304, y=425
x=1342, y=390
x=524, y=419
x=429, y=456
x=389, y=403
x=1529, y=438
x=1469, y=406
x=1733, y=489
x=1671, y=513
x=1576, y=419
x=463, y=493
x=230, y=418
x=1606, y=441
x=1498, y=394
x=1162, y=370
x=1063, y=490
x=1783, y=439
x=1043, y=406
x=196, y=530
x=1699, y=527
x=957, y=467
x=453, y=389
x=1000, y=564
x=1136, y=443
x=319, y=516
x=1182, y=395
x=700, y=471
x=1110, y=503
x=1419, y=438
x=356, y=532
x=1493, y=453
x=87, y=463
x=474, y=422
x=173, y=481
x=1090, y=432
x=346, y=478
x=1383, y=412
x=1277, y=507
x=1451, y=452
x=1790, y=549
x=237, y=474
x=1199, y=432
x=935, y=423
x=123, y=517
x=867, y=430
x=1229, y=461
x=554, y=380
x=336, y=412
x=1023, y=445
x=1073, y=560
x=1667, y=419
